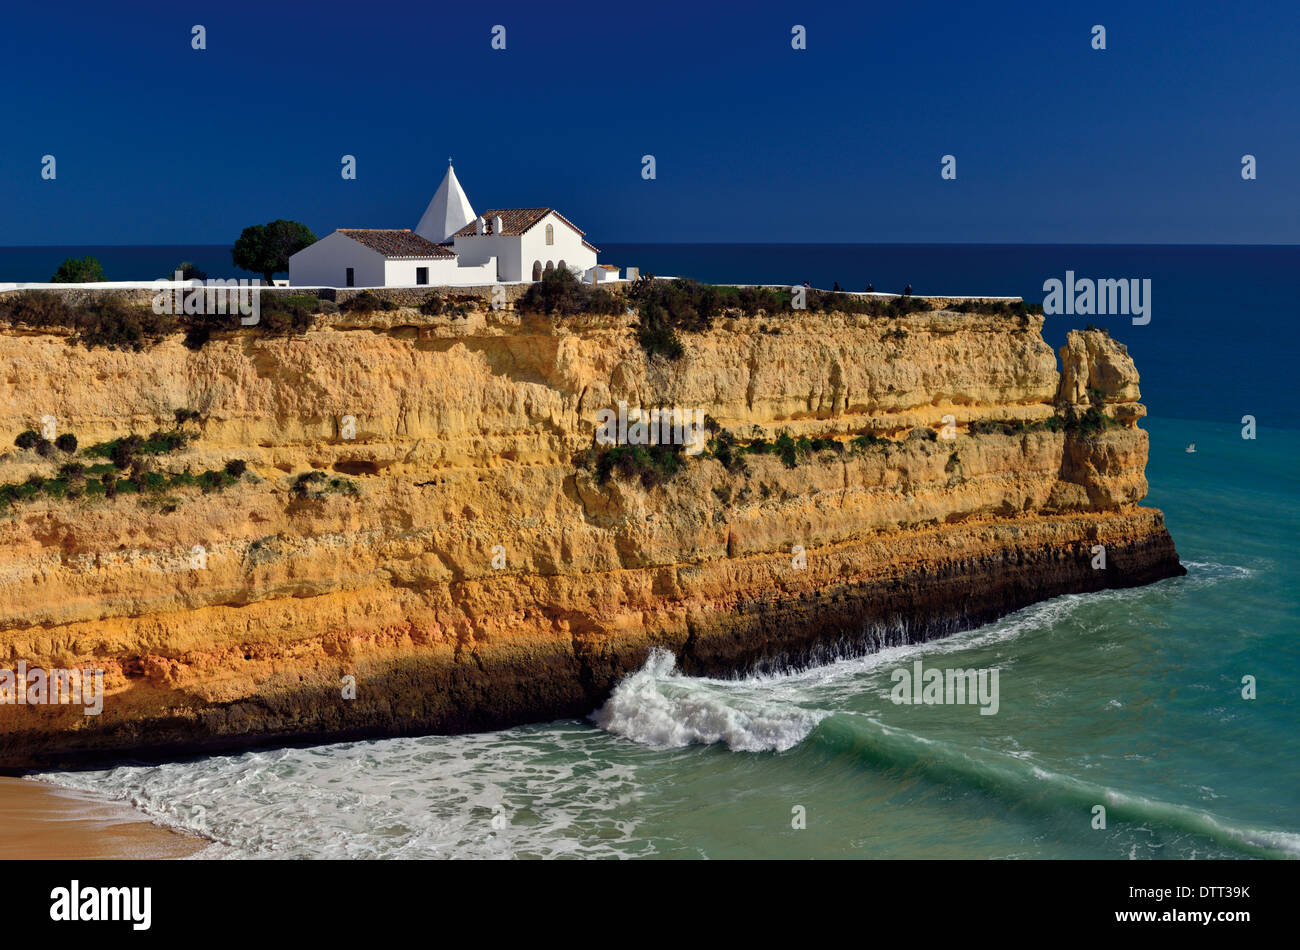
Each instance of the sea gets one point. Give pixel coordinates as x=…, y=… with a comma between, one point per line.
x=1159, y=722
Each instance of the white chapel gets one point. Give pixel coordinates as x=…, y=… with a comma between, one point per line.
x=451, y=246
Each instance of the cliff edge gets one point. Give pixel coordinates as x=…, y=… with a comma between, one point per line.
x=461, y=559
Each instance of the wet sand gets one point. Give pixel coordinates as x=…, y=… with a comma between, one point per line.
x=39, y=821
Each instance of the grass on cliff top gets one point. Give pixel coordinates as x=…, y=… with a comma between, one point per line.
x=435, y=304
x=667, y=308
x=112, y=322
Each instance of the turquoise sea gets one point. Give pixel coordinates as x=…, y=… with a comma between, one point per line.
x=1131, y=700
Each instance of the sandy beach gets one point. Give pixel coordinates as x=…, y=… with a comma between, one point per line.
x=39, y=821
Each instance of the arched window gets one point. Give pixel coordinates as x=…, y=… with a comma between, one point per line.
x=550, y=234
x=561, y=265
x=537, y=270
x=549, y=266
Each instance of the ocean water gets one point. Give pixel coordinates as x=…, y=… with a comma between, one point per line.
x=1131, y=699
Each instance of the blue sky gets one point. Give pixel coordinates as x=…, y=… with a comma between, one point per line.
x=157, y=143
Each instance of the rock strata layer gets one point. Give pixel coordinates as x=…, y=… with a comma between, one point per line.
x=478, y=577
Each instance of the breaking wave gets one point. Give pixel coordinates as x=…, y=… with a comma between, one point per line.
x=658, y=707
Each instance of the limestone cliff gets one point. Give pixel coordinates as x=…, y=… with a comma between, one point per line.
x=478, y=577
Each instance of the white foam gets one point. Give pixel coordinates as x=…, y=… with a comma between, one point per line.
x=658, y=707
x=494, y=795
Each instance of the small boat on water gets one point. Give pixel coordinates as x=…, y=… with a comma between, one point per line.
x=1190, y=448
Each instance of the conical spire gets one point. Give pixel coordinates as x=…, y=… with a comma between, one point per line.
x=448, y=212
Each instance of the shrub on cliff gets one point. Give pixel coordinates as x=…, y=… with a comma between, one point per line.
x=121, y=452
x=1004, y=308
x=752, y=300
x=36, y=309
x=558, y=292
x=277, y=315
x=363, y=303
x=78, y=270
x=652, y=465
x=785, y=447
x=656, y=334
x=723, y=448
x=821, y=301
x=284, y=315
x=291, y=302
x=686, y=305
x=1015, y=426
x=114, y=323
x=601, y=300
x=162, y=441
x=27, y=439
x=66, y=443
x=315, y=484
x=561, y=293
x=865, y=442
x=1089, y=423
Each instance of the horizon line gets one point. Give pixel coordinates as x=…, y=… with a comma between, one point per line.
x=784, y=244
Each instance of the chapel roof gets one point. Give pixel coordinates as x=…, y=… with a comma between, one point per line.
x=514, y=221
x=397, y=243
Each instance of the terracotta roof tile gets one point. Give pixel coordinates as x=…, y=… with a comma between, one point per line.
x=514, y=221
x=393, y=243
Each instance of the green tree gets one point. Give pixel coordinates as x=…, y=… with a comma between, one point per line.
x=265, y=248
x=78, y=270
x=188, y=271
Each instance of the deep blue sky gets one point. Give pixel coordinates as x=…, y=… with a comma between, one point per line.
x=1055, y=142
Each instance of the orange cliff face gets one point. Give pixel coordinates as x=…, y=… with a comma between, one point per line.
x=456, y=569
